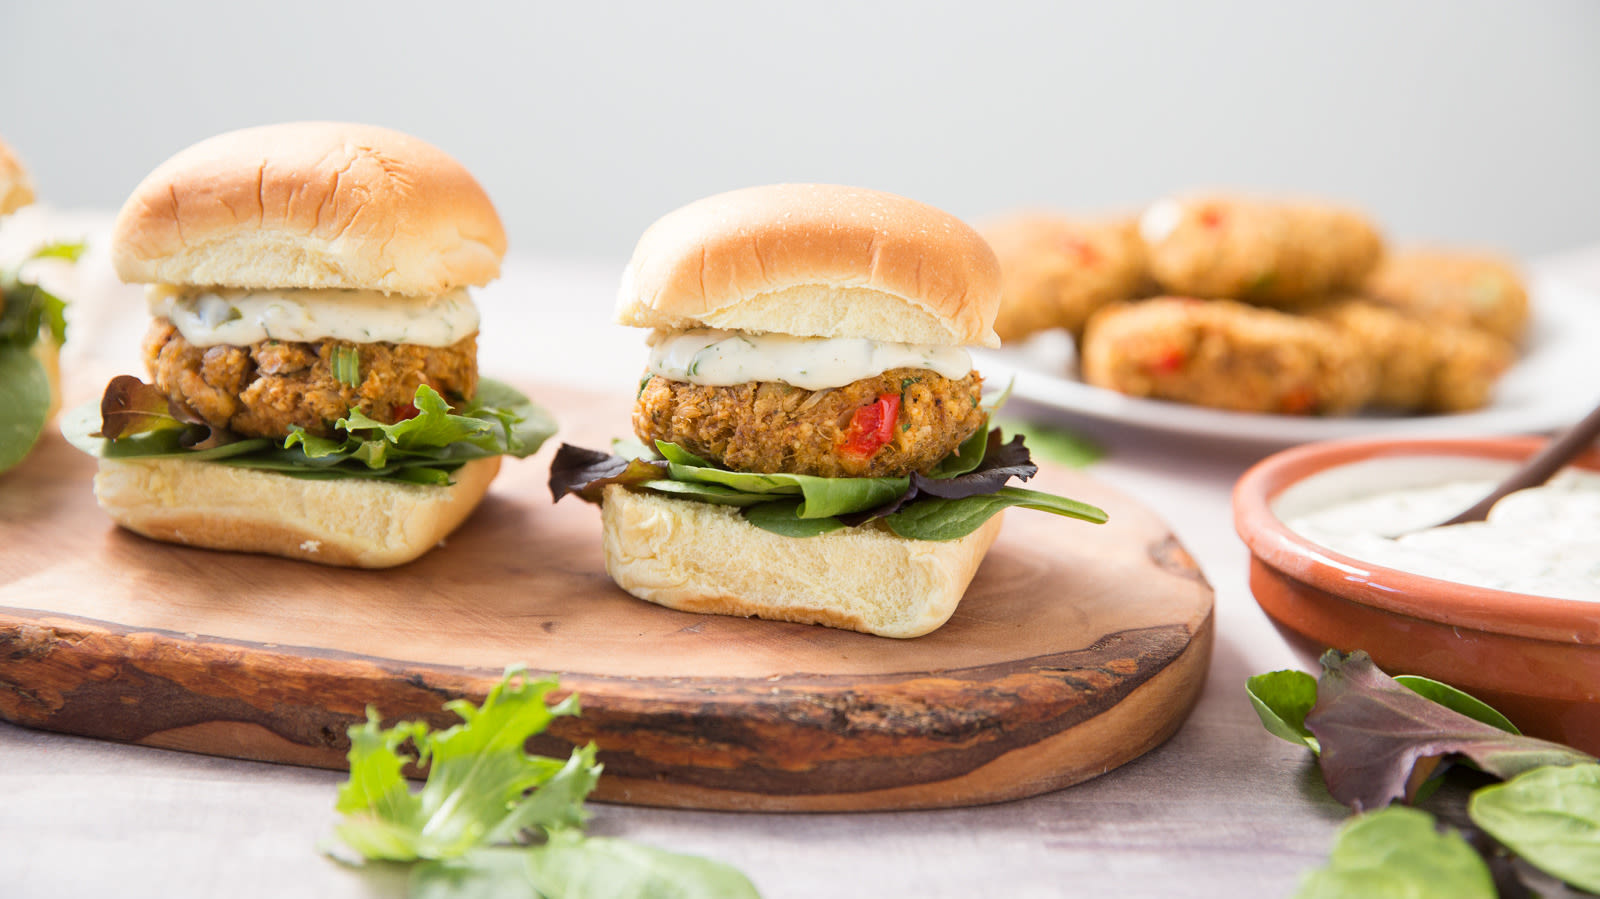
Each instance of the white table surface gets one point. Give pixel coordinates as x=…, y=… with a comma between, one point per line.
x=1222, y=809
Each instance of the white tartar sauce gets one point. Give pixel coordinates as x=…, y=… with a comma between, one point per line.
x=717, y=358
x=1544, y=541
x=239, y=317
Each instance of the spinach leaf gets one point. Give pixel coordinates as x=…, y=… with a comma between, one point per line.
x=1549, y=816
x=784, y=518
x=1456, y=700
x=936, y=518
x=1397, y=853
x=1282, y=699
x=24, y=403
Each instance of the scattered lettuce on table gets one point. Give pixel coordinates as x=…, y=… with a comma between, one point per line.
x=493, y=820
x=1380, y=739
x=137, y=421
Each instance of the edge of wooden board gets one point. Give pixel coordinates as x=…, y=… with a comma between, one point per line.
x=843, y=742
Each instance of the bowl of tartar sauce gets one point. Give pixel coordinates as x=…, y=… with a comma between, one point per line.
x=1346, y=553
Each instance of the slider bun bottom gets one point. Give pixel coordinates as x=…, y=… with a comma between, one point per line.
x=350, y=522
x=697, y=557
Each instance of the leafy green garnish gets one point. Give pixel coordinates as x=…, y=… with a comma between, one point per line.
x=24, y=404
x=1057, y=445
x=1396, y=853
x=482, y=786
x=1550, y=817
x=936, y=518
x=493, y=820
x=27, y=311
x=346, y=365
x=599, y=866
x=1380, y=741
x=1456, y=700
x=1381, y=738
x=1281, y=700
x=961, y=493
x=424, y=449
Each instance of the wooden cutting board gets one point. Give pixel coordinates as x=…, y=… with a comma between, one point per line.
x=1076, y=649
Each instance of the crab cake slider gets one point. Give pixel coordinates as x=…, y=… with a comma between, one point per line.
x=811, y=329
x=815, y=448
x=313, y=357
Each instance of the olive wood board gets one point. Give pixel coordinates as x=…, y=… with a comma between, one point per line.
x=1076, y=649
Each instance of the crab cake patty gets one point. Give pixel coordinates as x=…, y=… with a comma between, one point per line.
x=264, y=389
x=769, y=426
x=1225, y=355
x=1055, y=272
x=1277, y=254
x=1475, y=290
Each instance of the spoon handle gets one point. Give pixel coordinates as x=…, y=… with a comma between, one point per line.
x=1540, y=468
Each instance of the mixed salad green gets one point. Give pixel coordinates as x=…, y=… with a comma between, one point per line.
x=1379, y=740
x=955, y=498
x=493, y=820
x=28, y=314
x=137, y=421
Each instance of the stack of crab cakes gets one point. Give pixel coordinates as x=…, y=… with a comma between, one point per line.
x=1256, y=305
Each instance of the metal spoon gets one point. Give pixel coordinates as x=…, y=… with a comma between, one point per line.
x=1539, y=468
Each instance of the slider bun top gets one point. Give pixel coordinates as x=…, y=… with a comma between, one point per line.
x=16, y=191
x=815, y=260
x=312, y=205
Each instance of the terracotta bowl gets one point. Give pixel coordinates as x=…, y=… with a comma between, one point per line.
x=1535, y=658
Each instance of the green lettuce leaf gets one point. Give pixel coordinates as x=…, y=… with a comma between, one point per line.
x=28, y=310
x=424, y=449
x=573, y=866
x=24, y=403
x=1397, y=853
x=1282, y=700
x=1549, y=816
x=482, y=786
x=1057, y=445
x=936, y=518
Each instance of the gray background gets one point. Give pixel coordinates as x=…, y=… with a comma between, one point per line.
x=1450, y=120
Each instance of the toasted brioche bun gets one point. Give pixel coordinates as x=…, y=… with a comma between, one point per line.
x=815, y=260
x=310, y=204
x=351, y=522
x=697, y=557
x=16, y=189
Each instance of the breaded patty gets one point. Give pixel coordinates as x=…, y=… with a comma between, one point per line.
x=1056, y=272
x=1267, y=253
x=262, y=389
x=769, y=426
x=1225, y=355
x=1421, y=366
x=1470, y=289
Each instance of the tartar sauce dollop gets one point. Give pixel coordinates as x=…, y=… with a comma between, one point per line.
x=1544, y=541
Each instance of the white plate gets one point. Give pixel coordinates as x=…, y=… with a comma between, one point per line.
x=1555, y=383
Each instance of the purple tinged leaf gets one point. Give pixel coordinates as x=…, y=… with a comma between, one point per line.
x=586, y=472
x=130, y=406
x=1002, y=461
x=1380, y=741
